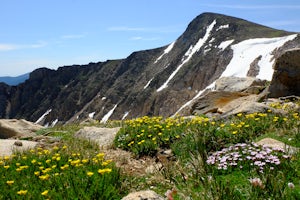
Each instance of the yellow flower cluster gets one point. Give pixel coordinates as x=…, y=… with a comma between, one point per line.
x=45, y=164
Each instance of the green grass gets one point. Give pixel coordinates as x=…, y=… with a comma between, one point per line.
x=194, y=140
x=75, y=169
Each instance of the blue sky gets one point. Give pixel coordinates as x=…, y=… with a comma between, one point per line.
x=53, y=33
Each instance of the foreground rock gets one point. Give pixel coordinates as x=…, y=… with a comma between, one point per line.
x=17, y=128
x=269, y=142
x=143, y=195
x=8, y=147
x=103, y=136
x=286, y=77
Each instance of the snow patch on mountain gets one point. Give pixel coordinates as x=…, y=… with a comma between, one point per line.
x=245, y=52
x=148, y=83
x=107, y=115
x=222, y=27
x=43, y=116
x=54, y=123
x=189, y=54
x=225, y=44
x=125, y=115
x=91, y=115
x=167, y=50
x=209, y=87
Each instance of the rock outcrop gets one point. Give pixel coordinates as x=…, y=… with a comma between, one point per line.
x=286, y=77
x=13, y=128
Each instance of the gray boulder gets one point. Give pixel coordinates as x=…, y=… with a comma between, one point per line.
x=286, y=76
x=17, y=128
x=103, y=136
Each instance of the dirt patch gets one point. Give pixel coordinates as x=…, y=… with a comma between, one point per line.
x=128, y=163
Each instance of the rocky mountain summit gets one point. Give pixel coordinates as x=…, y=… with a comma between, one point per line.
x=163, y=81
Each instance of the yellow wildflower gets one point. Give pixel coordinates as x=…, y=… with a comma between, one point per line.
x=6, y=166
x=90, y=174
x=103, y=171
x=22, y=192
x=100, y=156
x=64, y=167
x=37, y=173
x=45, y=193
x=55, y=148
x=10, y=182
x=6, y=157
x=44, y=177
x=18, y=169
x=46, y=151
x=85, y=161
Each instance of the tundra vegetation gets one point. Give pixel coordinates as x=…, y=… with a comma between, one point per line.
x=212, y=159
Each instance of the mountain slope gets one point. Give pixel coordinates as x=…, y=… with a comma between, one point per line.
x=159, y=81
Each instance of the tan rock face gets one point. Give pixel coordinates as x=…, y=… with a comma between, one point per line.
x=286, y=77
x=237, y=84
x=17, y=128
x=8, y=147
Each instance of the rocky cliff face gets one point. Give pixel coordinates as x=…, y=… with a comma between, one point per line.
x=160, y=81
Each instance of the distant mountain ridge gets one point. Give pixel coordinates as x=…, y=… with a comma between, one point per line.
x=161, y=81
x=10, y=80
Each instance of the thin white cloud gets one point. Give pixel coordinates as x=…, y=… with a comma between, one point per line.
x=136, y=38
x=125, y=28
x=75, y=36
x=11, y=47
x=8, y=47
x=145, y=38
x=253, y=7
